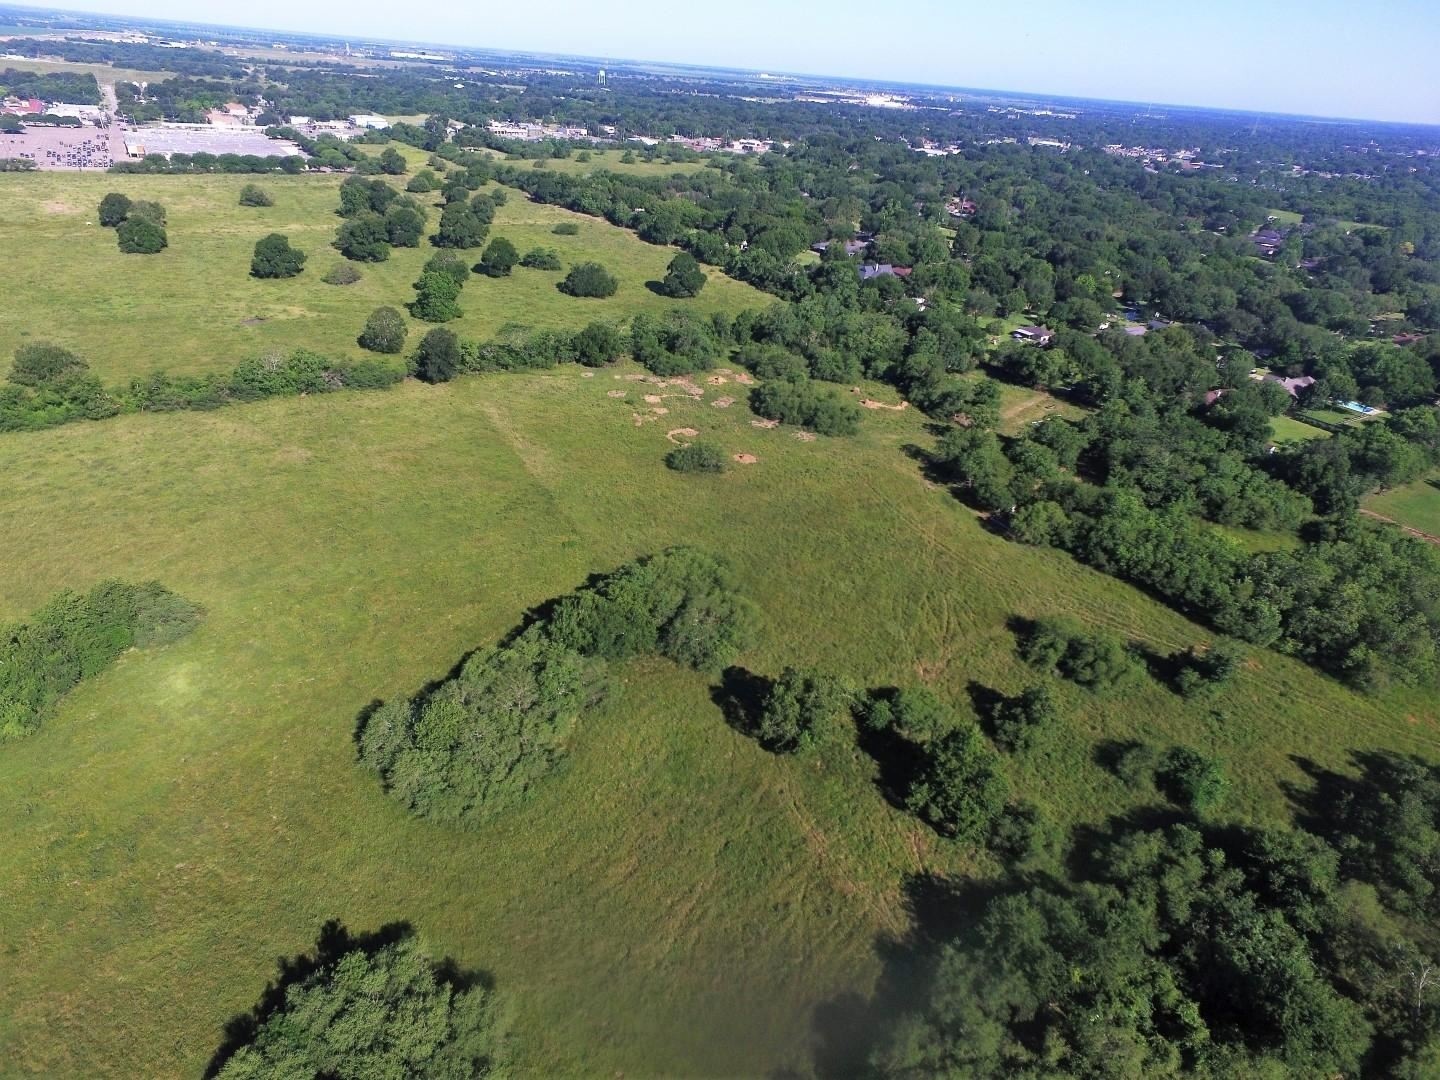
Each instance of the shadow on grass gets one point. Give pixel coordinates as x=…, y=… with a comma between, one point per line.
x=898, y=759
x=741, y=697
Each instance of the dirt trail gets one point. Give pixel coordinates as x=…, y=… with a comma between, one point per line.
x=1429, y=538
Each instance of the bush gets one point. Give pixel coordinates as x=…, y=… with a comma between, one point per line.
x=1017, y=722
x=39, y=363
x=141, y=236
x=422, y=182
x=1200, y=672
x=915, y=714
x=566, y=228
x=482, y=740
x=541, y=259
x=683, y=604
x=255, y=195
x=803, y=403
x=797, y=707
x=683, y=278
x=959, y=789
x=437, y=298
x=598, y=344
x=701, y=457
x=275, y=258
x=589, y=279
x=678, y=344
x=1193, y=780
x=438, y=358
x=392, y=162
x=114, y=208
x=152, y=212
x=374, y=1010
x=75, y=637
x=342, y=274
x=1093, y=659
x=499, y=258
x=385, y=331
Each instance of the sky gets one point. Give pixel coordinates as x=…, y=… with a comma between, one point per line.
x=1376, y=60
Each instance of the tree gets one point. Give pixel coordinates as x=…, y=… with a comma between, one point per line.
x=114, y=208
x=438, y=358
x=255, y=195
x=450, y=264
x=797, y=706
x=404, y=226
x=141, y=236
x=701, y=457
x=589, y=279
x=499, y=258
x=436, y=297
x=376, y=1012
x=392, y=162
x=275, y=258
x=364, y=238
x=422, y=182
x=1193, y=780
x=683, y=278
x=1017, y=722
x=598, y=344
x=959, y=789
x=459, y=228
x=385, y=331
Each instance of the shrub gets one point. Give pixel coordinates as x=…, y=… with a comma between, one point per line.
x=422, y=182
x=701, y=457
x=375, y=1010
x=39, y=363
x=342, y=274
x=141, y=236
x=1193, y=780
x=959, y=789
x=598, y=344
x=796, y=708
x=915, y=714
x=683, y=604
x=392, y=162
x=438, y=358
x=566, y=228
x=255, y=195
x=1199, y=672
x=75, y=637
x=460, y=227
x=589, y=279
x=541, y=259
x=678, y=344
x=436, y=299
x=803, y=403
x=114, y=208
x=1017, y=722
x=683, y=278
x=275, y=258
x=1093, y=659
x=480, y=742
x=385, y=331
x=152, y=212
x=499, y=258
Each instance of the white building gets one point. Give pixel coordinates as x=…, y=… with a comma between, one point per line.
x=369, y=120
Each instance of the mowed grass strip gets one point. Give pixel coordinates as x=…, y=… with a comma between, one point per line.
x=195, y=308
x=676, y=901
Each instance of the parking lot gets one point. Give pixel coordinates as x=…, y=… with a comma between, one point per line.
x=201, y=139
x=65, y=148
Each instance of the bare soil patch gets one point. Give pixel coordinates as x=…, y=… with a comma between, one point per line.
x=746, y=459
x=870, y=403
x=717, y=380
x=767, y=424
x=723, y=402
x=805, y=436
x=653, y=399
x=683, y=432
x=616, y=393
x=744, y=378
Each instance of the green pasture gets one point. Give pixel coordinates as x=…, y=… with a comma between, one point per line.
x=1416, y=505
x=195, y=308
x=1286, y=429
x=609, y=160
x=676, y=901
x=104, y=73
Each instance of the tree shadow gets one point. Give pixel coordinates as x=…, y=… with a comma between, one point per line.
x=741, y=696
x=333, y=943
x=899, y=760
x=986, y=702
x=658, y=288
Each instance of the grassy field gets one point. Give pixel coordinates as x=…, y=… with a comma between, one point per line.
x=104, y=73
x=1021, y=406
x=677, y=901
x=1416, y=505
x=610, y=159
x=194, y=307
x=1286, y=429
x=1287, y=218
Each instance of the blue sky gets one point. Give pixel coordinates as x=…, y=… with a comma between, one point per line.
x=1377, y=60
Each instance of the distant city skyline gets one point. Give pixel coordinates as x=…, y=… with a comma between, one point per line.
x=1328, y=58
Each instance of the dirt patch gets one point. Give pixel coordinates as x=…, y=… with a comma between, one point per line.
x=805, y=436
x=660, y=410
x=717, y=380
x=746, y=459
x=723, y=402
x=1429, y=538
x=616, y=393
x=683, y=432
x=869, y=403
x=767, y=424
x=587, y=374
x=653, y=399
x=255, y=320
x=744, y=378
x=634, y=377
x=642, y=418
x=57, y=206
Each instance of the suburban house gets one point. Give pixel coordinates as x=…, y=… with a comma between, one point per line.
x=1292, y=386
x=870, y=271
x=1267, y=241
x=1033, y=335
x=852, y=247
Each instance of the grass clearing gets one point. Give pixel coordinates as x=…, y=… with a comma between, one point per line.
x=676, y=901
x=1022, y=406
x=605, y=159
x=1287, y=218
x=195, y=308
x=104, y=73
x=1416, y=505
x=1286, y=429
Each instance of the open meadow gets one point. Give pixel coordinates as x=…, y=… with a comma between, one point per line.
x=677, y=900
x=1416, y=504
x=194, y=307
